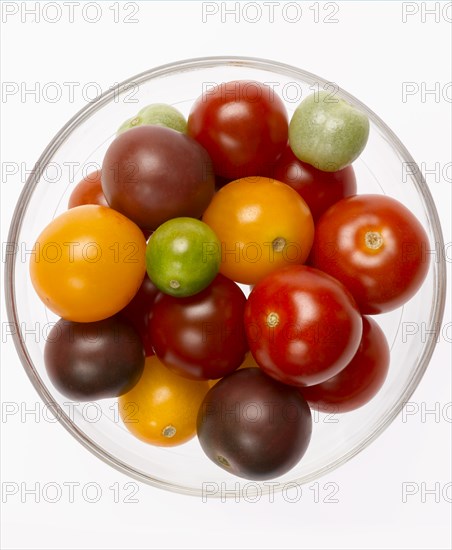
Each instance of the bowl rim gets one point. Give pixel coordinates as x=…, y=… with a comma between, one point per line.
x=87, y=111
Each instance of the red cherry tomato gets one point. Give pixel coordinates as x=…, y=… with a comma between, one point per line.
x=139, y=310
x=319, y=189
x=201, y=336
x=361, y=379
x=303, y=326
x=242, y=124
x=88, y=191
x=376, y=247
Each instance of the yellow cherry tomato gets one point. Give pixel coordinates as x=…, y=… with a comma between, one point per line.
x=162, y=407
x=263, y=225
x=88, y=263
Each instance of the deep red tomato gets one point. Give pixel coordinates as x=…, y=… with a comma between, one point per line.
x=88, y=191
x=243, y=125
x=201, y=336
x=303, y=326
x=376, y=247
x=139, y=310
x=361, y=379
x=319, y=189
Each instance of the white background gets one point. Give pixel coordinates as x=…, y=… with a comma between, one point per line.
x=370, y=52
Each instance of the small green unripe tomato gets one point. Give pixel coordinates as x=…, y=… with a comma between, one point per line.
x=159, y=114
x=327, y=132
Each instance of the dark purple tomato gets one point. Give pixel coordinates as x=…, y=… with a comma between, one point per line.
x=88, y=361
x=361, y=379
x=201, y=336
x=152, y=174
x=253, y=426
x=137, y=312
x=318, y=188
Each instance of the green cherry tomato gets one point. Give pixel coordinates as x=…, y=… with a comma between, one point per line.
x=327, y=132
x=159, y=114
x=183, y=256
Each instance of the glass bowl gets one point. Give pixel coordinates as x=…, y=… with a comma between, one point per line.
x=385, y=167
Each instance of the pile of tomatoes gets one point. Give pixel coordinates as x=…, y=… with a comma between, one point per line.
x=147, y=270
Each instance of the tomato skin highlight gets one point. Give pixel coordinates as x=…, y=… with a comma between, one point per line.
x=360, y=380
x=376, y=247
x=302, y=325
x=242, y=124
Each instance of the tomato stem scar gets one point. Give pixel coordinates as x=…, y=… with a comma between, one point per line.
x=278, y=244
x=373, y=240
x=223, y=461
x=174, y=284
x=272, y=319
x=169, y=431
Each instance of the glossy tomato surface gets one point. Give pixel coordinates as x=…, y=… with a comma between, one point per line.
x=162, y=408
x=318, y=188
x=262, y=224
x=88, y=263
x=243, y=125
x=201, y=336
x=360, y=380
x=152, y=174
x=88, y=191
x=94, y=360
x=303, y=326
x=253, y=426
x=376, y=247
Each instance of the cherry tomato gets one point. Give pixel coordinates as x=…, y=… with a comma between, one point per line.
x=328, y=132
x=242, y=124
x=253, y=426
x=88, y=263
x=201, y=336
x=93, y=360
x=319, y=189
x=376, y=247
x=161, y=409
x=361, y=379
x=262, y=224
x=152, y=174
x=183, y=256
x=88, y=191
x=138, y=311
x=303, y=326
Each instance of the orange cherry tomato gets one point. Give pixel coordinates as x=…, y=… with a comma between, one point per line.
x=88, y=263
x=263, y=225
x=162, y=408
x=88, y=191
